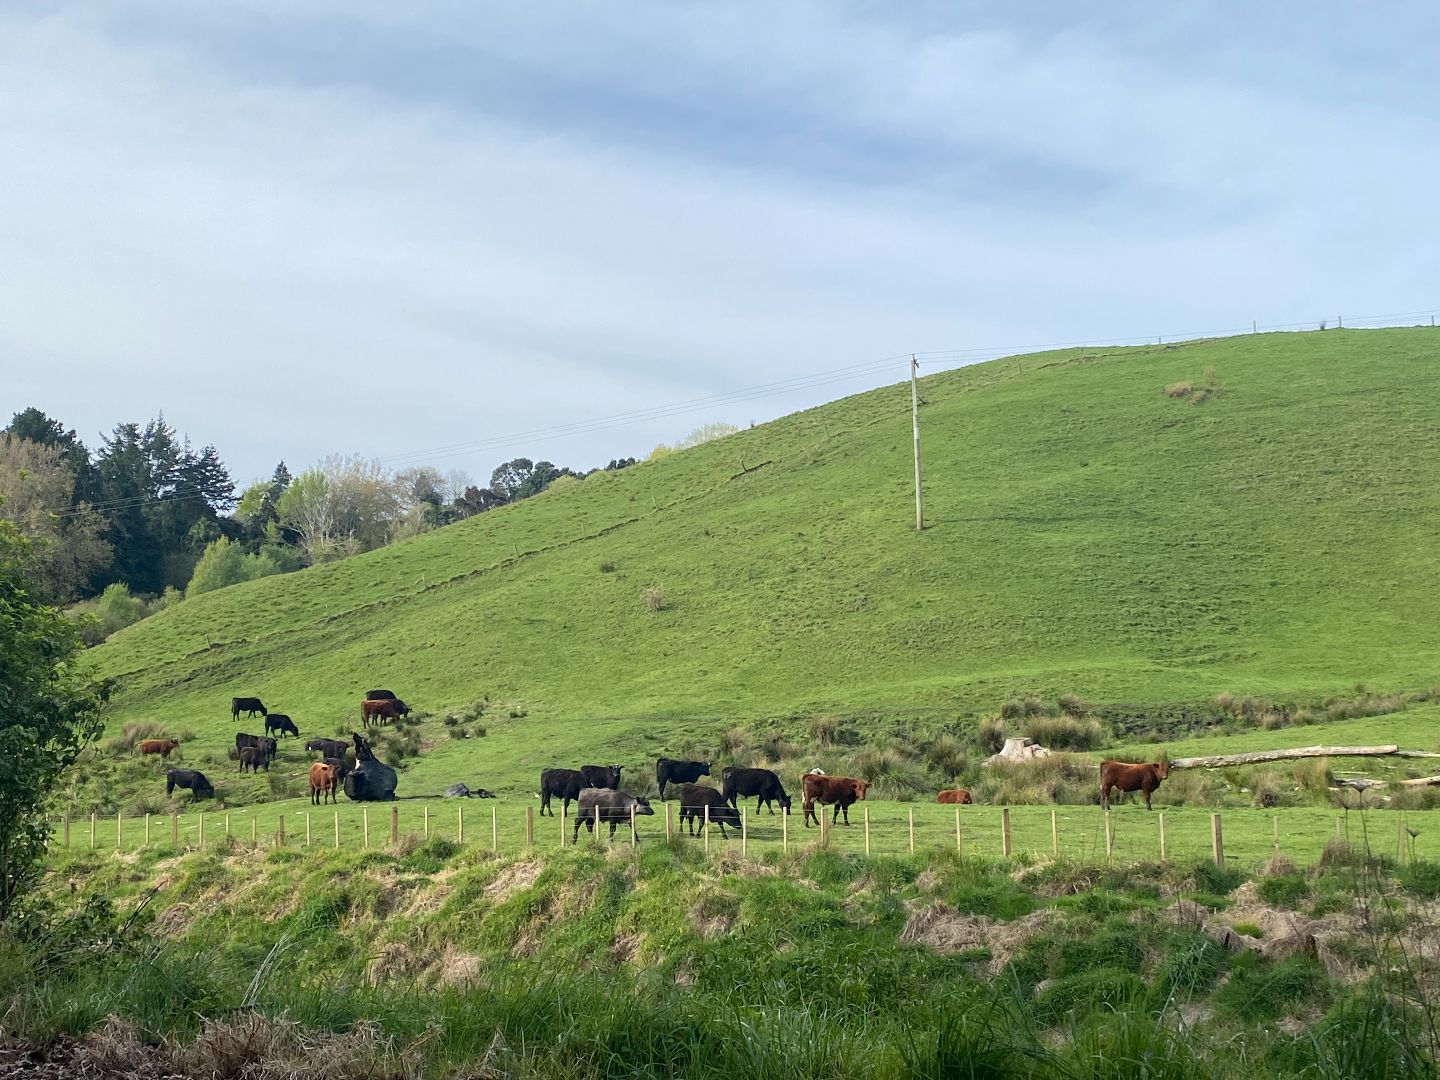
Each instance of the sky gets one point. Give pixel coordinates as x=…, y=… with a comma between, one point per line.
x=449, y=234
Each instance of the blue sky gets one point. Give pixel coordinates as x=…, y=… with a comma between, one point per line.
x=386, y=229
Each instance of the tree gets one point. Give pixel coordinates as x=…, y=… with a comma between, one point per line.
x=51, y=711
x=521, y=478
x=36, y=489
x=706, y=433
x=225, y=563
x=34, y=425
x=308, y=508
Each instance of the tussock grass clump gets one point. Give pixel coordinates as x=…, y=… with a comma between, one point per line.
x=824, y=729
x=1365, y=704
x=1066, y=732
x=1196, y=391
x=1071, y=705
x=990, y=735
x=653, y=597
x=132, y=732
x=947, y=755
x=1057, y=778
x=606, y=566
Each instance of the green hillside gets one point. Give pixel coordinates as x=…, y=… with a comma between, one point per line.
x=1087, y=533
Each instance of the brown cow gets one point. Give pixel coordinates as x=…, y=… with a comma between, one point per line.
x=1127, y=777
x=958, y=796
x=382, y=710
x=159, y=746
x=324, y=779
x=842, y=791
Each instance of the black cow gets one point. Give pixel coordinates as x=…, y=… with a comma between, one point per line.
x=261, y=742
x=736, y=783
x=613, y=806
x=248, y=705
x=562, y=784
x=371, y=780
x=193, y=779
x=277, y=721
x=676, y=771
x=380, y=695
x=254, y=759
x=601, y=776
x=340, y=764
x=695, y=798
x=328, y=747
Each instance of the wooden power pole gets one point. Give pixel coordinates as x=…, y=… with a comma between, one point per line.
x=915, y=423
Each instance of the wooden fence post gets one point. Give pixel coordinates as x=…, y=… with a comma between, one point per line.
x=67, y=826
x=1005, y=832
x=562, y=825
x=911, y=812
x=867, y=830
x=1109, y=837
x=147, y=830
x=255, y=829
x=280, y=832
x=1399, y=838
x=307, y=828
x=119, y=830
x=597, y=821
x=201, y=825
x=175, y=828
x=337, y=829
x=227, y=827
x=494, y=830
x=365, y=827
x=1054, y=834
x=744, y=833
x=1217, y=841
x=1275, y=832
x=667, y=823
x=92, y=830
x=634, y=839
x=1162, y=836
x=785, y=832
x=706, y=829
x=958, y=848
x=426, y=826
x=394, y=824
x=459, y=824
x=529, y=826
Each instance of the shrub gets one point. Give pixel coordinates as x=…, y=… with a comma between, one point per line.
x=1208, y=387
x=1272, y=719
x=607, y=567
x=1313, y=775
x=1257, y=991
x=1012, y=710
x=990, y=735
x=1065, y=732
x=1071, y=705
x=653, y=597
x=1224, y=703
x=132, y=732
x=947, y=755
x=1283, y=890
x=1179, y=389
x=823, y=729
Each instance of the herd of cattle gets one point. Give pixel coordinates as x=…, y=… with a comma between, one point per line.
x=595, y=789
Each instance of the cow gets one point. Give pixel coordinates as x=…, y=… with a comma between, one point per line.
x=248, y=705
x=842, y=791
x=613, y=806
x=328, y=747
x=323, y=781
x=562, y=784
x=371, y=780
x=255, y=759
x=382, y=710
x=696, y=798
x=194, y=779
x=380, y=695
x=676, y=771
x=736, y=782
x=1119, y=774
x=260, y=742
x=158, y=746
x=606, y=776
x=276, y=721
x=341, y=766
x=959, y=796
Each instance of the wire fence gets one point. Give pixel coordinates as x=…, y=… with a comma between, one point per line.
x=1237, y=838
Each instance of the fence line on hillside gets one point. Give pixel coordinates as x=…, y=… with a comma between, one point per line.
x=976, y=831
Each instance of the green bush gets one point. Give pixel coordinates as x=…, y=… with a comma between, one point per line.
x=1066, y=732
x=1259, y=991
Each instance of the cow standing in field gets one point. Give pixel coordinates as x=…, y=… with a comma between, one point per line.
x=841, y=791
x=254, y=759
x=959, y=796
x=601, y=776
x=563, y=784
x=341, y=766
x=328, y=747
x=264, y=743
x=764, y=785
x=194, y=779
x=247, y=705
x=280, y=722
x=675, y=771
x=1126, y=777
x=615, y=807
x=696, y=798
x=158, y=746
x=323, y=781
x=382, y=710
x=380, y=695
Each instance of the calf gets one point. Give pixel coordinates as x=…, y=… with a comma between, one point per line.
x=194, y=779
x=604, y=776
x=608, y=805
x=248, y=705
x=263, y=743
x=280, y=722
x=328, y=747
x=675, y=771
x=323, y=781
x=841, y=791
x=695, y=799
x=958, y=795
x=1126, y=777
x=254, y=759
x=736, y=783
x=562, y=784
x=158, y=746
x=341, y=766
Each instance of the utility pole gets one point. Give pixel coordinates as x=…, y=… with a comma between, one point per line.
x=915, y=423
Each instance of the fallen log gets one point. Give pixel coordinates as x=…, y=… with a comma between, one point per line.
x=1360, y=783
x=1258, y=756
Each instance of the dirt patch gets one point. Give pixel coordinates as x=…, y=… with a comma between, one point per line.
x=940, y=927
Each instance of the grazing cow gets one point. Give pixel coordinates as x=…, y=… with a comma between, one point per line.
x=380, y=695
x=248, y=705
x=276, y=721
x=676, y=771
x=606, y=776
x=323, y=781
x=158, y=746
x=341, y=766
x=255, y=759
x=842, y=791
x=1127, y=777
x=736, y=782
x=328, y=747
x=382, y=710
x=263, y=743
x=959, y=796
x=371, y=780
x=194, y=779
x=613, y=806
x=695, y=798
x=562, y=784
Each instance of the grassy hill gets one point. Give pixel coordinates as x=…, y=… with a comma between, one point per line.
x=1088, y=533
